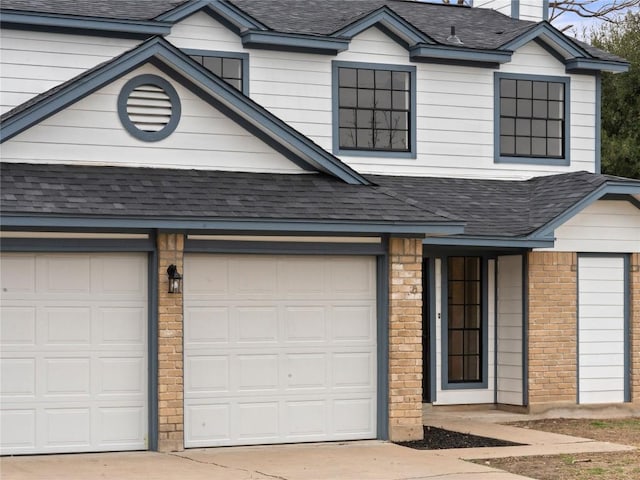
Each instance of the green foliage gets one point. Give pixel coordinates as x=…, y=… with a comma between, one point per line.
x=621, y=98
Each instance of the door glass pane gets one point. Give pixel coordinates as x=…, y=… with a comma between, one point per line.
x=455, y=369
x=455, y=342
x=456, y=316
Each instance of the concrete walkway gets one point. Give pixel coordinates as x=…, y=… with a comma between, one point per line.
x=367, y=460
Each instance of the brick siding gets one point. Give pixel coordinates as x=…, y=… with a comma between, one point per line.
x=552, y=336
x=405, y=339
x=170, y=363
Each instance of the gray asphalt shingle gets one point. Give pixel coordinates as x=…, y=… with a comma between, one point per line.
x=88, y=190
x=477, y=27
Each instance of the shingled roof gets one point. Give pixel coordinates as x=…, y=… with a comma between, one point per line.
x=498, y=208
x=479, y=28
x=72, y=190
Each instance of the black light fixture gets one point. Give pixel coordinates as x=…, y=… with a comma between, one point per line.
x=175, y=279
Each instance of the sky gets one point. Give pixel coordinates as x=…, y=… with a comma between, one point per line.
x=580, y=25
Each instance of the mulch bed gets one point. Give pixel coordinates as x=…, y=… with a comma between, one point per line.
x=440, y=439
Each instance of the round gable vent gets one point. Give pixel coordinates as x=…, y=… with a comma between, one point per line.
x=149, y=107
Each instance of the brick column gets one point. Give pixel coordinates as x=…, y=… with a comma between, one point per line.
x=170, y=368
x=635, y=327
x=552, y=329
x=405, y=342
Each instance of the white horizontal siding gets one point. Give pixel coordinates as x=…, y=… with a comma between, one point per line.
x=89, y=132
x=33, y=62
x=601, y=288
x=510, y=321
x=203, y=32
x=503, y=6
x=603, y=226
x=531, y=10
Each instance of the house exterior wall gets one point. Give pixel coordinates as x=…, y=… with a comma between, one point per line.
x=91, y=133
x=405, y=339
x=455, y=104
x=604, y=226
x=33, y=62
x=552, y=339
x=170, y=335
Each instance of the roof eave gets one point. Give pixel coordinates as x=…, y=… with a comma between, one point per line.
x=40, y=221
x=424, y=52
x=588, y=65
x=33, y=20
x=489, y=241
x=294, y=42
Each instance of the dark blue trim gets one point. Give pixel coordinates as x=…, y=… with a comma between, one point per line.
x=335, y=87
x=598, y=132
x=491, y=242
x=389, y=19
x=578, y=329
x=495, y=329
x=624, y=198
x=515, y=9
x=545, y=29
x=292, y=42
x=525, y=329
x=221, y=54
x=283, y=248
x=233, y=226
x=628, y=361
x=382, y=305
x=432, y=324
x=73, y=23
x=174, y=99
x=444, y=327
x=159, y=51
x=545, y=10
x=75, y=245
x=497, y=157
x=152, y=346
x=474, y=57
x=550, y=50
x=589, y=65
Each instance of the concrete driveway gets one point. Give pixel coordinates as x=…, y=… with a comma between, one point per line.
x=328, y=461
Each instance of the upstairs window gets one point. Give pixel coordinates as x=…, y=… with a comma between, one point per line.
x=532, y=119
x=375, y=109
x=231, y=67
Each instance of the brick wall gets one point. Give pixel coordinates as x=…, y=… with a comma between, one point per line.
x=552, y=345
x=170, y=368
x=635, y=327
x=405, y=339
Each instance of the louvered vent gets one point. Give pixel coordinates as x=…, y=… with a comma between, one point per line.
x=149, y=108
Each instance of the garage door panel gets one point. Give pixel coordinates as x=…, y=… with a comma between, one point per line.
x=121, y=276
x=305, y=324
x=257, y=324
x=69, y=427
x=353, y=323
x=306, y=371
x=18, y=275
x=206, y=325
x=122, y=325
x=18, y=378
x=68, y=325
x=208, y=374
x=18, y=326
x=256, y=372
x=18, y=428
x=74, y=365
x=295, y=359
x=208, y=424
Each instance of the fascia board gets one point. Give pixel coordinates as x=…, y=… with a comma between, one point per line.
x=234, y=225
x=441, y=52
x=588, y=65
x=294, y=42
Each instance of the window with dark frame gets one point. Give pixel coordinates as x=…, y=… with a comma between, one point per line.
x=464, y=319
x=229, y=69
x=532, y=118
x=374, y=109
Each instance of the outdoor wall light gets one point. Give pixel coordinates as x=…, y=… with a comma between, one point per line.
x=175, y=279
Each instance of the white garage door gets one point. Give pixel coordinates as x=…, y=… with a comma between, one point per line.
x=601, y=329
x=279, y=349
x=74, y=352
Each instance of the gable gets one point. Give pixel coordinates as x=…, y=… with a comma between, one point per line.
x=202, y=31
x=90, y=132
x=604, y=226
x=375, y=45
